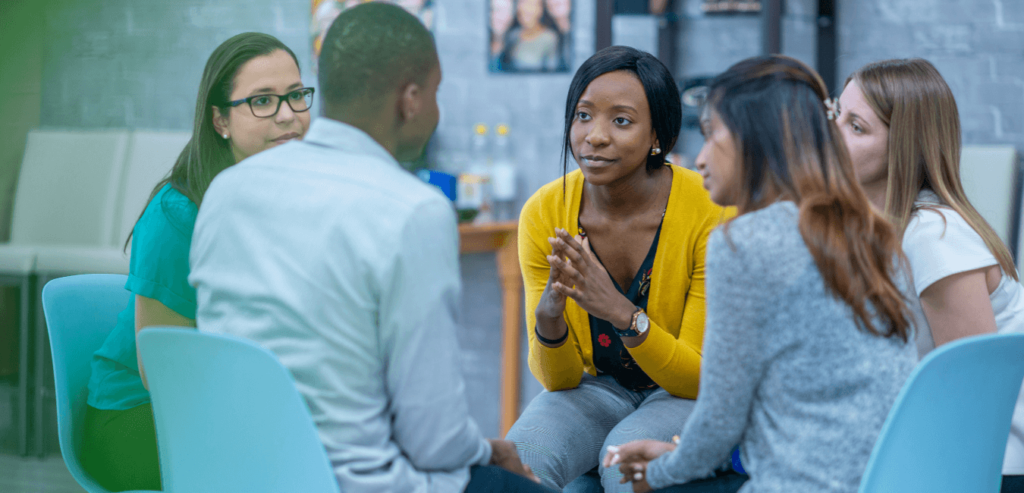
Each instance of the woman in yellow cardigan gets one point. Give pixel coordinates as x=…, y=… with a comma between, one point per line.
x=613, y=263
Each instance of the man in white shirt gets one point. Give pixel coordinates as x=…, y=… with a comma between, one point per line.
x=344, y=265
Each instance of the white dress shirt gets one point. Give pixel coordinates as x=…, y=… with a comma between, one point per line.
x=344, y=265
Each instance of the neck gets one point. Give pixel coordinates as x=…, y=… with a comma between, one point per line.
x=876, y=194
x=637, y=192
x=381, y=126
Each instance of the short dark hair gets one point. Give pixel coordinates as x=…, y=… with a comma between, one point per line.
x=371, y=49
x=660, y=87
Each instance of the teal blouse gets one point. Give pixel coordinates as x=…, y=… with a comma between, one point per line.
x=159, y=270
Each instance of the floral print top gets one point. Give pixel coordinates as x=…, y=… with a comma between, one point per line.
x=610, y=356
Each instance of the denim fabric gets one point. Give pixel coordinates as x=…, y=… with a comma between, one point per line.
x=562, y=435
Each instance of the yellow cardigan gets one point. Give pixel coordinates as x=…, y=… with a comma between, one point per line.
x=671, y=354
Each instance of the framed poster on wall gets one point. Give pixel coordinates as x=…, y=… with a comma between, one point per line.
x=530, y=35
x=325, y=11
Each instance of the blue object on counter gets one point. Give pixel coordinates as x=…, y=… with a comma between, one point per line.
x=737, y=465
x=446, y=182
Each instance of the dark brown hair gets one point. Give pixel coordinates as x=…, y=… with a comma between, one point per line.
x=790, y=150
x=206, y=153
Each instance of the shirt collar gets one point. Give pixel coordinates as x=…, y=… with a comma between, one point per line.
x=346, y=138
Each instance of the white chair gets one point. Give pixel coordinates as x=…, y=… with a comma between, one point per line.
x=992, y=182
x=148, y=158
x=66, y=191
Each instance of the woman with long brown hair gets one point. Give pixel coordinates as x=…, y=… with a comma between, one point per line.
x=806, y=341
x=901, y=124
x=251, y=98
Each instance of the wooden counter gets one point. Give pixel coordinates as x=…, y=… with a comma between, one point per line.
x=501, y=238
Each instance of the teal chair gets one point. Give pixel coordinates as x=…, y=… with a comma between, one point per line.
x=229, y=417
x=80, y=311
x=947, y=430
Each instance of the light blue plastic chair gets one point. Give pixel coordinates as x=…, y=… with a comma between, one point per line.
x=947, y=430
x=229, y=417
x=80, y=312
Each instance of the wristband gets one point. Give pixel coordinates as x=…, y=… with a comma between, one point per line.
x=551, y=342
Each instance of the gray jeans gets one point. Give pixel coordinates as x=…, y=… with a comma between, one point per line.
x=564, y=434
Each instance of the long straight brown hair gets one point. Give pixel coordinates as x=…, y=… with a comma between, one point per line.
x=206, y=154
x=790, y=150
x=915, y=103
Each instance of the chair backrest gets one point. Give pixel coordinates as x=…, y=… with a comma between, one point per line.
x=229, y=417
x=68, y=187
x=80, y=313
x=948, y=428
x=992, y=183
x=151, y=155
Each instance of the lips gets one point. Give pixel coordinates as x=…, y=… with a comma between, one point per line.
x=286, y=137
x=595, y=161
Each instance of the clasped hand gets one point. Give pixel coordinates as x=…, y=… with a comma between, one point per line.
x=578, y=274
x=633, y=458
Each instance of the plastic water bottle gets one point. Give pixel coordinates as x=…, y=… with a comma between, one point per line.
x=503, y=176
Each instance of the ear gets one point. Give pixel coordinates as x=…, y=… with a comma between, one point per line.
x=220, y=121
x=410, y=102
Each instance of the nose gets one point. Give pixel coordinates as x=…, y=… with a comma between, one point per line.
x=701, y=161
x=597, y=136
x=285, y=114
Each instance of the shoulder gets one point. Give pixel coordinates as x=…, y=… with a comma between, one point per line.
x=548, y=205
x=762, y=234
x=939, y=242
x=169, y=212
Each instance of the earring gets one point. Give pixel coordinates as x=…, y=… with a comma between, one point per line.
x=655, y=151
x=225, y=136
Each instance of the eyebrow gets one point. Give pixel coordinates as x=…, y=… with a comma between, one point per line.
x=270, y=90
x=620, y=107
x=853, y=114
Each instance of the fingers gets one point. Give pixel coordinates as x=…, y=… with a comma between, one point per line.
x=571, y=244
x=564, y=290
x=529, y=474
x=569, y=274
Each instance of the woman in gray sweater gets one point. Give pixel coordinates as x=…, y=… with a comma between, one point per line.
x=806, y=344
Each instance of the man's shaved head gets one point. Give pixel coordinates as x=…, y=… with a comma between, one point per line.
x=372, y=50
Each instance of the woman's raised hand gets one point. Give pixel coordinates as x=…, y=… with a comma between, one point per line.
x=585, y=280
x=551, y=307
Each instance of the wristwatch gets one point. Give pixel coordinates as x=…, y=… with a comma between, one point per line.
x=638, y=325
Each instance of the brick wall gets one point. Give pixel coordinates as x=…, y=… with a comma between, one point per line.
x=978, y=46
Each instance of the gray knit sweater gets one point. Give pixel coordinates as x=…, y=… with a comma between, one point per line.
x=786, y=372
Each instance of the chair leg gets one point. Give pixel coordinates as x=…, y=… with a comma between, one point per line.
x=42, y=343
x=24, y=320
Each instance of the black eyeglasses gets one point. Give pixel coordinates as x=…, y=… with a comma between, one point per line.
x=267, y=105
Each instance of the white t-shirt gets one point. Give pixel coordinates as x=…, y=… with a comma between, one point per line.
x=938, y=245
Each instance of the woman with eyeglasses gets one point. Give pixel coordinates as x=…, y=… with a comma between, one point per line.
x=251, y=98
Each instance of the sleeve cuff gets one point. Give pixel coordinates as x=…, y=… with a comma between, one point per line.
x=161, y=293
x=657, y=475
x=486, y=451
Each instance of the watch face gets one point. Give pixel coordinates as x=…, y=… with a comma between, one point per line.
x=642, y=322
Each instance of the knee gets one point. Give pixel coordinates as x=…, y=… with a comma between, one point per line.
x=546, y=455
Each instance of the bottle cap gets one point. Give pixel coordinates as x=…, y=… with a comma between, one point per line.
x=502, y=129
x=480, y=129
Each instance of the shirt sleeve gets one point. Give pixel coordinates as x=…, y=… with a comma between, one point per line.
x=159, y=264
x=418, y=306
x=557, y=368
x=940, y=244
x=733, y=366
